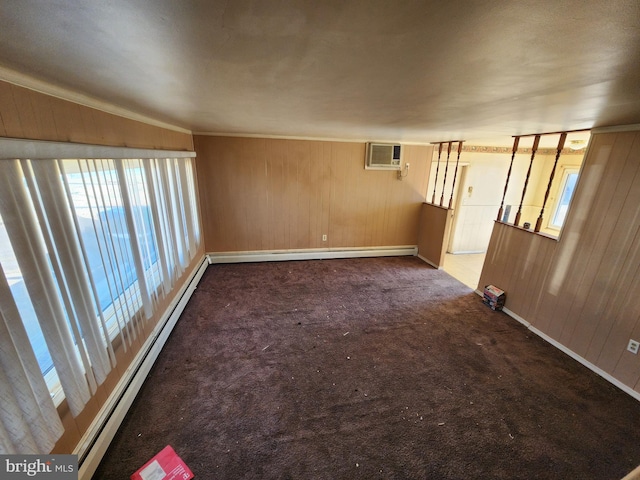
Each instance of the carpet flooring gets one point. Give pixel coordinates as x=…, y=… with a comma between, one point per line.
x=381, y=368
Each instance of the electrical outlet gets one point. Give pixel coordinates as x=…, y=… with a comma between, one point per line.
x=324, y=238
x=633, y=346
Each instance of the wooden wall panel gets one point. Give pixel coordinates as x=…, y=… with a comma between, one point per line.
x=517, y=261
x=10, y=113
x=32, y=115
x=583, y=289
x=606, y=264
x=271, y=194
x=433, y=232
x=594, y=235
x=539, y=257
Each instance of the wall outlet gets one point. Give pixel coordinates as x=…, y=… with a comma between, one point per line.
x=324, y=238
x=633, y=346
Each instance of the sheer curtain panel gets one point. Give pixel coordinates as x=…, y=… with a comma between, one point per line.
x=29, y=421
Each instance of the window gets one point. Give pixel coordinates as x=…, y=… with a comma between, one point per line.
x=567, y=186
x=96, y=200
x=88, y=248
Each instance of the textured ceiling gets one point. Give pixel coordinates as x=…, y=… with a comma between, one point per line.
x=412, y=71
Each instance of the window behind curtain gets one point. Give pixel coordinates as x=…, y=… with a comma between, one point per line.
x=134, y=227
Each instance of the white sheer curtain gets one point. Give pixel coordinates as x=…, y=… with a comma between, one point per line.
x=26, y=237
x=88, y=248
x=29, y=421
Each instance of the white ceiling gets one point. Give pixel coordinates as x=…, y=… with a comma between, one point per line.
x=394, y=70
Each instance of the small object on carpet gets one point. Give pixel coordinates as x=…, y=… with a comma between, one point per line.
x=165, y=465
x=494, y=297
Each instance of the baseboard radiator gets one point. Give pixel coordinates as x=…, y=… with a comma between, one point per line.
x=94, y=443
x=311, y=254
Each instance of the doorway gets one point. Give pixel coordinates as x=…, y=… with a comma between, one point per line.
x=465, y=246
x=465, y=251
x=465, y=267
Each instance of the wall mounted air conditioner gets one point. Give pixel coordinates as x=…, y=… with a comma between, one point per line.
x=383, y=156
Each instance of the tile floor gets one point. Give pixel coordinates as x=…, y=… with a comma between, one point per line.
x=465, y=267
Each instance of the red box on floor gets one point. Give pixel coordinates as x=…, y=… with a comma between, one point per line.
x=166, y=465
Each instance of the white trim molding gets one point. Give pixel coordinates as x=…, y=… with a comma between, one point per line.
x=586, y=363
x=429, y=262
x=611, y=379
x=515, y=316
x=94, y=443
x=303, y=137
x=310, y=254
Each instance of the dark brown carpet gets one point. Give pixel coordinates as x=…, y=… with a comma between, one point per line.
x=363, y=369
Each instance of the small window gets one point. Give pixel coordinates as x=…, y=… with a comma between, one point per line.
x=568, y=185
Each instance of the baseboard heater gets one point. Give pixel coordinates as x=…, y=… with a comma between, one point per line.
x=311, y=254
x=96, y=440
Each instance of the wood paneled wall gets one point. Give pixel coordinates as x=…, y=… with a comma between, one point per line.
x=582, y=290
x=518, y=261
x=433, y=235
x=260, y=194
x=32, y=115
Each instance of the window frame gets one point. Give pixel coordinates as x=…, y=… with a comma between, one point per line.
x=567, y=170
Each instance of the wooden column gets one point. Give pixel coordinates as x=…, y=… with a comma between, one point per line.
x=534, y=148
x=563, y=137
x=444, y=181
x=455, y=174
x=435, y=182
x=516, y=140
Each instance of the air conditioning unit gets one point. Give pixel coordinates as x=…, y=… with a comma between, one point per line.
x=383, y=156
